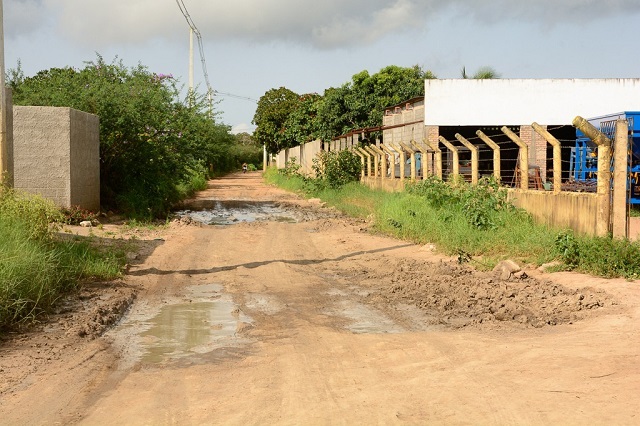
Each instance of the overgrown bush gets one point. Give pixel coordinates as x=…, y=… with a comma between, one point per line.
x=335, y=169
x=604, y=256
x=480, y=204
x=76, y=214
x=291, y=168
x=151, y=141
x=35, y=269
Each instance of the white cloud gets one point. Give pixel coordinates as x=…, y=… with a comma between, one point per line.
x=242, y=128
x=23, y=17
x=323, y=24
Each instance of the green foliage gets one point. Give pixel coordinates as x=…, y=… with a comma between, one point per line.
x=285, y=119
x=274, y=108
x=35, y=269
x=566, y=245
x=291, y=168
x=293, y=183
x=368, y=95
x=20, y=208
x=480, y=204
x=76, y=214
x=245, y=150
x=301, y=125
x=150, y=140
x=603, y=256
x=335, y=169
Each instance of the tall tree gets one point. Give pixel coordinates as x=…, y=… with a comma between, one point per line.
x=301, y=125
x=274, y=108
x=369, y=95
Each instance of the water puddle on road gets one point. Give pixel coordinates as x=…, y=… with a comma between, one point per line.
x=362, y=319
x=209, y=320
x=216, y=212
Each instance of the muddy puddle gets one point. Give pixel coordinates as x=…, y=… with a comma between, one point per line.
x=205, y=320
x=229, y=212
x=361, y=319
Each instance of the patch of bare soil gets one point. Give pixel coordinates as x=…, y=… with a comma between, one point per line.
x=318, y=321
x=77, y=319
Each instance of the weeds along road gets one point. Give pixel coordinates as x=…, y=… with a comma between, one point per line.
x=309, y=318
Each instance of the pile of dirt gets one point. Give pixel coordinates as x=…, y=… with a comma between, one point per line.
x=458, y=296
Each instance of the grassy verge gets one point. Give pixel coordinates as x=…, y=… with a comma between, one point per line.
x=35, y=268
x=472, y=222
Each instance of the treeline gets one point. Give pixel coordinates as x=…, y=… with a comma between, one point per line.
x=155, y=148
x=285, y=119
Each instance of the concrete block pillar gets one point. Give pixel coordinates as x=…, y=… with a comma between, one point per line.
x=620, y=177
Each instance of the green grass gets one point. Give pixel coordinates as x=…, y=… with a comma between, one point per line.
x=475, y=221
x=36, y=269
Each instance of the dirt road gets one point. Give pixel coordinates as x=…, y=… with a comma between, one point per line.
x=306, y=317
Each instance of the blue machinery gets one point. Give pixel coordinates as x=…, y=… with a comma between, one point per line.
x=583, y=166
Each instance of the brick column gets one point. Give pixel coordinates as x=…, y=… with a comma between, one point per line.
x=537, y=149
x=432, y=133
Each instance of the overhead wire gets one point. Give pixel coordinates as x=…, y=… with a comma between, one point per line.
x=196, y=32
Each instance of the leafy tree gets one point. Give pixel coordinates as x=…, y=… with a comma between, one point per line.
x=246, y=149
x=369, y=95
x=302, y=125
x=274, y=108
x=332, y=113
x=151, y=142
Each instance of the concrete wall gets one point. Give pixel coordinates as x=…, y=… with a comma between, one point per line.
x=85, y=160
x=9, y=135
x=281, y=159
x=56, y=155
x=460, y=102
x=309, y=152
x=304, y=156
x=389, y=185
x=578, y=211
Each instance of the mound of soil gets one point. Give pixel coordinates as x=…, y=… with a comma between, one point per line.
x=458, y=296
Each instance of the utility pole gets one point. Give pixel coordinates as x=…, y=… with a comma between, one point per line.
x=4, y=154
x=190, y=60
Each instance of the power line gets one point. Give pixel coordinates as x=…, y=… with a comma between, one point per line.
x=231, y=95
x=195, y=30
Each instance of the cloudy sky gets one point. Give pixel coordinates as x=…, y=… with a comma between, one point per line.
x=307, y=46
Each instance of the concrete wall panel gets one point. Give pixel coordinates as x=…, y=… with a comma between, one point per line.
x=56, y=155
x=577, y=211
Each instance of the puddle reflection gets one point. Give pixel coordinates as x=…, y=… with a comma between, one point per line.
x=214, y=212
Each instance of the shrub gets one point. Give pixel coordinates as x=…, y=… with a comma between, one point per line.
x=335, y=169
x=35, y=269
x=76, y=214
x=150, y=139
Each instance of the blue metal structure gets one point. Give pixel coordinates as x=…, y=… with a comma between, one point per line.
x=583, y=165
